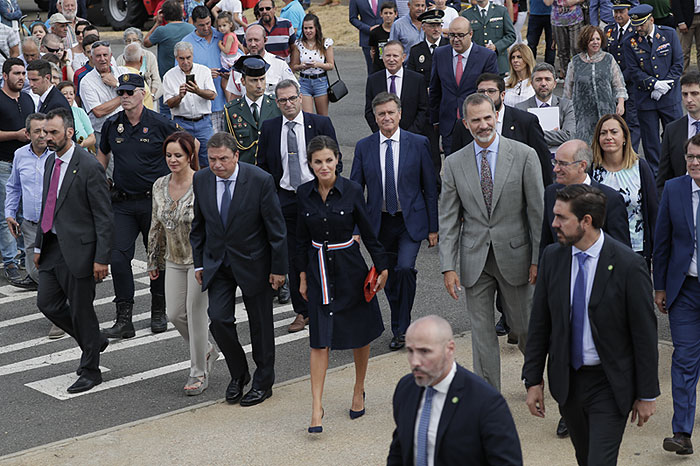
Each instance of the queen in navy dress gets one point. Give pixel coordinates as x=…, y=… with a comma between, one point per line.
x=333, y=272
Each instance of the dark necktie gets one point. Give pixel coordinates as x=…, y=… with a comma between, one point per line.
x=486, y=181
x=650, y=42
x=293, y=156
x=392, y=86
x=578, y=311
x=697, y=127
x=256, y=113
x=423, y=424
x=225, y=201
x=483, y=15
x=432, y=48
x=620, y=32
x=390, y=199
x=50, y=206
x=544, y=105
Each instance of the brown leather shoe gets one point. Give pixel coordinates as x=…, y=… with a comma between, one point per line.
x=299, y=323
x=679, y=443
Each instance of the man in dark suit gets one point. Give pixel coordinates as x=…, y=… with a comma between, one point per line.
x=365, y=16
x=676, y=252
x=72, y=245
x=395, y=166
x=39, y=77
x=407, y=85
x=282, y=153
x=593, y=316
x=453, y=77
x=571, y=164
x=420, y=57
x=239, y=201
x=512, y=123
x=460, y=419
x=672, y=161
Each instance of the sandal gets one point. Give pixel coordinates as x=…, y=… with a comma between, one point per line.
x=196, y=385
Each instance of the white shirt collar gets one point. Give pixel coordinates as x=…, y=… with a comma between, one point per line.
x=394, y=137
x=587, y=180
x=42, y=98
x=68, y=155
x=233, y=177
x=694, y=186
x=539, y=102
x=297, y=119
x=653, y=30
x=398, y=74
x=625, y=28
x=250, y=102
x=486, y=8
x=465, y=54
x=593, y=250
x=436, y=43
x=444, y=385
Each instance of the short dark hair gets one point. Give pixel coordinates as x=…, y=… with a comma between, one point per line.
x=51, y=58
x=42, y=66
x=387, y=6
x=33, y=117
x=63, y=84
x=82, y=23
x=695, y=140
x=690, y=77
x=10, y=62
x=223, y=140
x=500, y=82
x=586, y=34
x=385, y=97
x=318, y=143
x=89, y=40
x=200, y=12
x=64, y=114
x=91, y=27
x=584, y=200
x=172, y=11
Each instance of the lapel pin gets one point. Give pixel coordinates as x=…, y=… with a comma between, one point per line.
x=455, y=400
x=610, y=267
x=309, y=126
x=512, y=128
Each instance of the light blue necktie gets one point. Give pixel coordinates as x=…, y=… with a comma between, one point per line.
x=578, y=310
x=422, y=441
x=225, y=201
x=392, y=203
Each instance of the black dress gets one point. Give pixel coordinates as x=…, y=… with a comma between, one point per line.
x=347, y=321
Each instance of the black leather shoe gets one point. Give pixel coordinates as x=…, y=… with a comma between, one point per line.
x=284, y=295
x=84, y=384
x=26, y=283
x=397, y=343
x=562, y=430
x=679, y=443
x=502, y=328
x=104, y=346
x=256, y=396
x=234, y=391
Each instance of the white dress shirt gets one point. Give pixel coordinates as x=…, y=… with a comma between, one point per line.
x=192, y=105
x=94, y=92
x=306, y=175
x=624, y=28
x=590, y=354
x=43, y=96
x=499, y=119
x=398, y=81
x=540, y=103
x=695, y=194
x=465, y=57
x=395, y=138
x=65, y=158
x=436, y=406
x=250, y=103
x=221, y=187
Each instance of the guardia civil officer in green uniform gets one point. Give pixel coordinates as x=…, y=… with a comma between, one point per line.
x=134, y=137
x=245, y=115
x=493, y=29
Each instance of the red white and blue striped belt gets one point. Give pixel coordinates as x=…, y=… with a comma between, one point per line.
x=325, y=293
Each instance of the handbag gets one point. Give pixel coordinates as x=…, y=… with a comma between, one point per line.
x=370, y=283
x=338, y=89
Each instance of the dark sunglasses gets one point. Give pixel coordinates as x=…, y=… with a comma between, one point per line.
x=265, y=8
x=121, y=92
x=100, y=43
x=51, y=50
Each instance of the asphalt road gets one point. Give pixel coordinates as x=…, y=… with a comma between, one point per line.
x=144, y=376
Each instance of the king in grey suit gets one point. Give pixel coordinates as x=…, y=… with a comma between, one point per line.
x=73, y=243
x=498, y=241
x=239, y=240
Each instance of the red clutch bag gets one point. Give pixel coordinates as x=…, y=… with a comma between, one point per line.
x=370, y=283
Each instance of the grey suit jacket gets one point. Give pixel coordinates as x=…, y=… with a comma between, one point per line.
x=567, y=119
x=515, y=223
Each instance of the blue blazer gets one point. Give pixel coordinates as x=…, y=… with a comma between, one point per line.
x=445, y=96
x=674, y=240
x=416, y=183
x=475, y=428
x=363, y=18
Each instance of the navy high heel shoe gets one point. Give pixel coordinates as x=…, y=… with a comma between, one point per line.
x=317, y=429
x=360, y=413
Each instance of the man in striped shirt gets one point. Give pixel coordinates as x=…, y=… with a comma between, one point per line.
x=280, y=32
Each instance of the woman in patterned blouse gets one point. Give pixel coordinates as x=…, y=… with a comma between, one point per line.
x=169, y=250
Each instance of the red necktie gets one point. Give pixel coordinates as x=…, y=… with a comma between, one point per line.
x=459, y=70
x=50, y=207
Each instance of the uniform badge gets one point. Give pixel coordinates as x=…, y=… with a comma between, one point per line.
x=421, y=59
x=235, y=115
x=657, y=35
x=119, y=140
x=145, y=130
x=120, y=128
x=239, y=119
x=125, y=78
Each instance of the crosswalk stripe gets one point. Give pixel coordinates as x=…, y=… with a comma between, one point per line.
x=56, y=386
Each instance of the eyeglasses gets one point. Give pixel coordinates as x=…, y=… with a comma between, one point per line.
x=265, y=8
x=291, y=100
x=121, y=92
x=488, y=91
x=458, y=35
x=52, y=50
x=556, y=162
x=690, y=157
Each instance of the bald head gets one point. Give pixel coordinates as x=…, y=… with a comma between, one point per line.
x=572, y=161
x=255, y=39
x=460, y=34
x=430, y=346
x=439, y=330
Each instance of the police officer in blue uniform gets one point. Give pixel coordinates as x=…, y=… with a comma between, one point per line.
x=654, y=64
x=135, y=138
x=618, y=33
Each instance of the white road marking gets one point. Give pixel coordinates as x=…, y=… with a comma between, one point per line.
x=56, y=386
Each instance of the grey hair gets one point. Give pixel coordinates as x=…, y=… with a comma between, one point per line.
x=31, y=39
x=385, y=97
x=584, y=152
x=476, y=99
x=182, y=45
x=135, y=31
x=285, y=83
x=132, y=53
x=544, y=66
x=33, y=117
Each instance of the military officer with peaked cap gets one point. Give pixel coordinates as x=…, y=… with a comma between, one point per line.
x=245, y=115
x=420, y=58
x=618, y=33
x=654, y=64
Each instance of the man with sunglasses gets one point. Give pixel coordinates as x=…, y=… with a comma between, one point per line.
x=280, y=32
x=282, y=153
x=134, y=137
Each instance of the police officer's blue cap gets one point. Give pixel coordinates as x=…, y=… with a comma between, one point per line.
x=130, y=81
x=621, y=4
x=640, y=14
x=432, y=17
x=251, y=65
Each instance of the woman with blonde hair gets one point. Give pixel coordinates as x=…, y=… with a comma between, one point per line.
x=615, y=164
x=518, y=85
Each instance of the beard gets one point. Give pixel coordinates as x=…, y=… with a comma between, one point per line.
x=484, y=137
x=571, y=239
x=70, y=16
